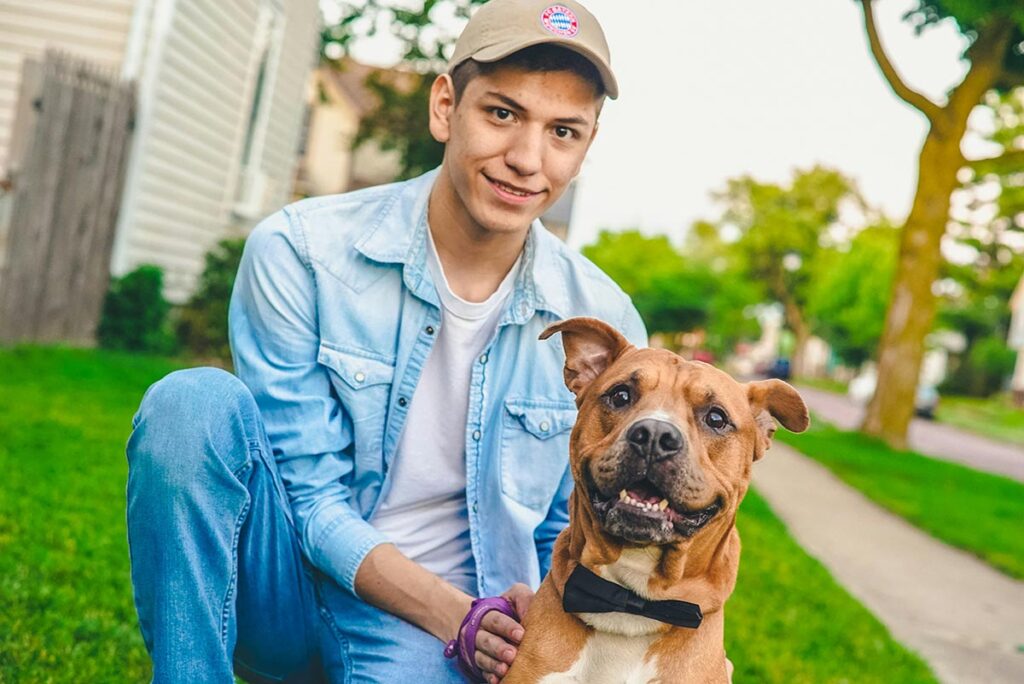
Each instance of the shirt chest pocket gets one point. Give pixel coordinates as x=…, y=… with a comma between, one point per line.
x=535, y=449
x=363, y=385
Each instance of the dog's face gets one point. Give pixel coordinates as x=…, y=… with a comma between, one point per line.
x=663, y=446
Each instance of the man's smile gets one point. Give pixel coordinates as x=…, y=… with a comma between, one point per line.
x=509, y=192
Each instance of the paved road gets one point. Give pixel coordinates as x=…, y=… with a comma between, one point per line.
x=927, y=437
x=964, y=618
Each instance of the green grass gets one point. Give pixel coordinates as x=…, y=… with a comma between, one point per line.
x=972, y=510
x=789, y=621
x=66, y=611
x=827, y=384
x=995, y=417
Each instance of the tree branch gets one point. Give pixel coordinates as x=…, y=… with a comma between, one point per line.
x=986, y=55
x=905, y=92
x=1011, y=159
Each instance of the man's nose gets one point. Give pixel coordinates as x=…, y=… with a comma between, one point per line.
x=526, y=153
x=656, y=440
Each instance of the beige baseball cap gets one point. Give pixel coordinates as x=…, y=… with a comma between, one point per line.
x=501, y=27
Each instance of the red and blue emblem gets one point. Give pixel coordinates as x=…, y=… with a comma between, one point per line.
x=560, y=20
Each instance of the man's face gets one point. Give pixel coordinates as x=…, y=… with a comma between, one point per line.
x=513, y=142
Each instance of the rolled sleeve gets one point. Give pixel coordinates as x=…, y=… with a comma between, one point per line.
x=275, y=342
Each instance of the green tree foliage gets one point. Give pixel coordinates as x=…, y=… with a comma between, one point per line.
x=674, y=294
x=781, y=233
x=991, y=227
x=203, y=321
x=134, y=316
x=849, y=293
x=400, y=122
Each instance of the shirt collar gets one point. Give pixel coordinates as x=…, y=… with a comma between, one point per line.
x=540, y=285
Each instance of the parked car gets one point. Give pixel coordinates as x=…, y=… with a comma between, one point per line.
x=862, y=388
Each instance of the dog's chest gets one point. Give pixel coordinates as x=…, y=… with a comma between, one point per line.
x=610, y=659
x=616, y=653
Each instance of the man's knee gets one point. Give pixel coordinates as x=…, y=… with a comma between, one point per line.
x=189, y=416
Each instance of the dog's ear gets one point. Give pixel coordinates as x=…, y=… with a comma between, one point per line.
x=590, y=347
x=772, y=400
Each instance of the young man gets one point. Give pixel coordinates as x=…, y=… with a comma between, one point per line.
x=398, y=442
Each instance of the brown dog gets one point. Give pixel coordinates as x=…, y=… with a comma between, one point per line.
x=661, y=454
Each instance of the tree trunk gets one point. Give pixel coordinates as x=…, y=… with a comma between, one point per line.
x=802, y=333
x=912, y=305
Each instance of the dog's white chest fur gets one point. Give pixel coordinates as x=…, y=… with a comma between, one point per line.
x=616, y=652
x=610, y=659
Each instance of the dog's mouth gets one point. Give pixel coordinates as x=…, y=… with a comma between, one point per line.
x=641, y=513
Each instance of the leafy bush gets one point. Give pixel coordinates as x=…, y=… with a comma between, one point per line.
x=983, y=370
x=203, y=321
x=135, y=312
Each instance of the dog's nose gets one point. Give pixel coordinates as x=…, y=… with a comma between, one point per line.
x=655, y=439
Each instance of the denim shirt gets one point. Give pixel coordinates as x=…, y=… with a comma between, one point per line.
x=332, y=317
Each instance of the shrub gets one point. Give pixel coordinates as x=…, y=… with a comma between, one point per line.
x=135, y=312
x=203, y=321
x=983, y=370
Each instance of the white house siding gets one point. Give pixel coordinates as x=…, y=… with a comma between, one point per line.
x=97, y=30
x=197, y=82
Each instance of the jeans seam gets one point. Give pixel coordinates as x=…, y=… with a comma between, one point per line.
x=233, y=582
x=328, y=617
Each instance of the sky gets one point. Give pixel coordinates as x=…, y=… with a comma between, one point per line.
x=715, y=89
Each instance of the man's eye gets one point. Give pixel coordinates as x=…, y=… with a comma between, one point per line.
x=620, y=396
x=502, y=114
x=564, y=133
x=716, y=419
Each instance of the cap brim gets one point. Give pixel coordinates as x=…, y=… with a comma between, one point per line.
x=495, y=52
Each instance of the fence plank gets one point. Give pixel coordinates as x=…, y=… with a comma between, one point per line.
x=66, y=201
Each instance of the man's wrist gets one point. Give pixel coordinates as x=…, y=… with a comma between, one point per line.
x=458, y=606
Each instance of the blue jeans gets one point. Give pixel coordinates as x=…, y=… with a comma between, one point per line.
x=221, y=584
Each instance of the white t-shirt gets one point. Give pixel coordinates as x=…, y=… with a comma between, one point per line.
x=423, y=511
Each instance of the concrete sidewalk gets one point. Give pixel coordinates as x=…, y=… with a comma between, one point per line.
x=927, y=436
x=964, y=618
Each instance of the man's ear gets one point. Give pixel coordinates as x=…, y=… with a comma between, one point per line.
x=442, y=107
x=590, y=347
x=772, y=400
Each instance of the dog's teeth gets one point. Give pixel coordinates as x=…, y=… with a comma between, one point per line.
x=623, y=495
x=663, y=504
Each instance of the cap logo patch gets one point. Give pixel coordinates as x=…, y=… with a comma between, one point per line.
x=560, y=20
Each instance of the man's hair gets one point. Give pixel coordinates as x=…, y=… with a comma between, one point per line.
x=544, y=58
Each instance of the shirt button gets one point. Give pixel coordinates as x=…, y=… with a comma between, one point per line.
x=360, y=376
x=483, y=358
x=429, y=330
x=475, y=507
x=402, y=401
x=545, y=426
x=476, y=435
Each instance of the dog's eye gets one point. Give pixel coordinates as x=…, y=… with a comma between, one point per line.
x=716, y=419
x=620, y=396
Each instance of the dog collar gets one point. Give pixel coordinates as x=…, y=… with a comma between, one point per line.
x=585, y=592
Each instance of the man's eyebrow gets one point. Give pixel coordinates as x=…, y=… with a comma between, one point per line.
x=512, y=104
x=507, y=100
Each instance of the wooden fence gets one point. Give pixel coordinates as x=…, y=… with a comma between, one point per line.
x=71, y=137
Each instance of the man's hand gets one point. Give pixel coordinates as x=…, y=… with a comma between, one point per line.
x=498, y=640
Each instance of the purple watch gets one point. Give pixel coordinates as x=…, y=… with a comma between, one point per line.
x=463, y=646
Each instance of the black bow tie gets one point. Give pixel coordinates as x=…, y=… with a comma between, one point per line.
x=585, y=592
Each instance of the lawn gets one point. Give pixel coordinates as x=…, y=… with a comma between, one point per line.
x=994, y=417
x=66, y=612
x=969, y=509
